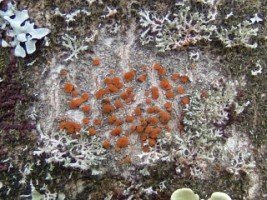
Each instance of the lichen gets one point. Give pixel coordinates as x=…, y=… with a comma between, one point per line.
x=183, y=26
x=73, y=153
x=16, y=25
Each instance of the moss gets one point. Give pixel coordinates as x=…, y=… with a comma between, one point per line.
x=3, y=60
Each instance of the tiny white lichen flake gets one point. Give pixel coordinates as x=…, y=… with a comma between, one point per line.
x=258, y=70
x=75, y=46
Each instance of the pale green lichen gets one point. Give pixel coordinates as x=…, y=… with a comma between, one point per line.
x=184, y=194
x=219, y=196
x=188, y=194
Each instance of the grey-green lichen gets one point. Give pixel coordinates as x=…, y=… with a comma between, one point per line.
x=209, y=134
x=74, y=153
x=184, y=25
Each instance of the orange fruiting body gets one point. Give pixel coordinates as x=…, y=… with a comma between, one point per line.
x=86, y=108
x=154, y=134
x=75, y=103
x=148, y=101
x=152, y=120
x=168, y=106
x=120, y=162
x=107, y=108
x=138, y=112
x=122, y=142
x=107, y=91
x=70, y=126
x=106, y=144
x=116, y=131
x=112, y=119
x=100, y=93
x=152, y=142
x=139, y=129
x=165, y=84
x=129, y=90
x=116, y=82
x=167, y=127
x=143, y=121
x=92, y=131
x=106, y=100
x=180, y=90
x=204, y=94
x=142, y=78
x=127, y=133
x=119, y=85
x=153, y=109
x=132, y=128
x=97, y=121
x=111, y=71
x=143, y=137
x=156, y=109
x=148, y=129
x=175, y=76
x=129, y=119
x=169, y=94
x=74, y=93
x=160, y=69
x=118, y=104
x=147, y=93
x=85, y=96
x=148, y=120
x=164, y=117
x=96, y=61
x=156, y=66
x=113, y=88
x=185, y=100
x=184, y=79
x=119, y=122
x=154, y=92
x=108, y=81
x=129, y=76
x=86, y=120
x=68, y=87
x=128, y=100
x=124, y=95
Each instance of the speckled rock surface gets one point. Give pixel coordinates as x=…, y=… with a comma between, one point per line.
x=211, y=138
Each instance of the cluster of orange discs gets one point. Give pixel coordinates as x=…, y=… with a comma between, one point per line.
x=148, y=120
